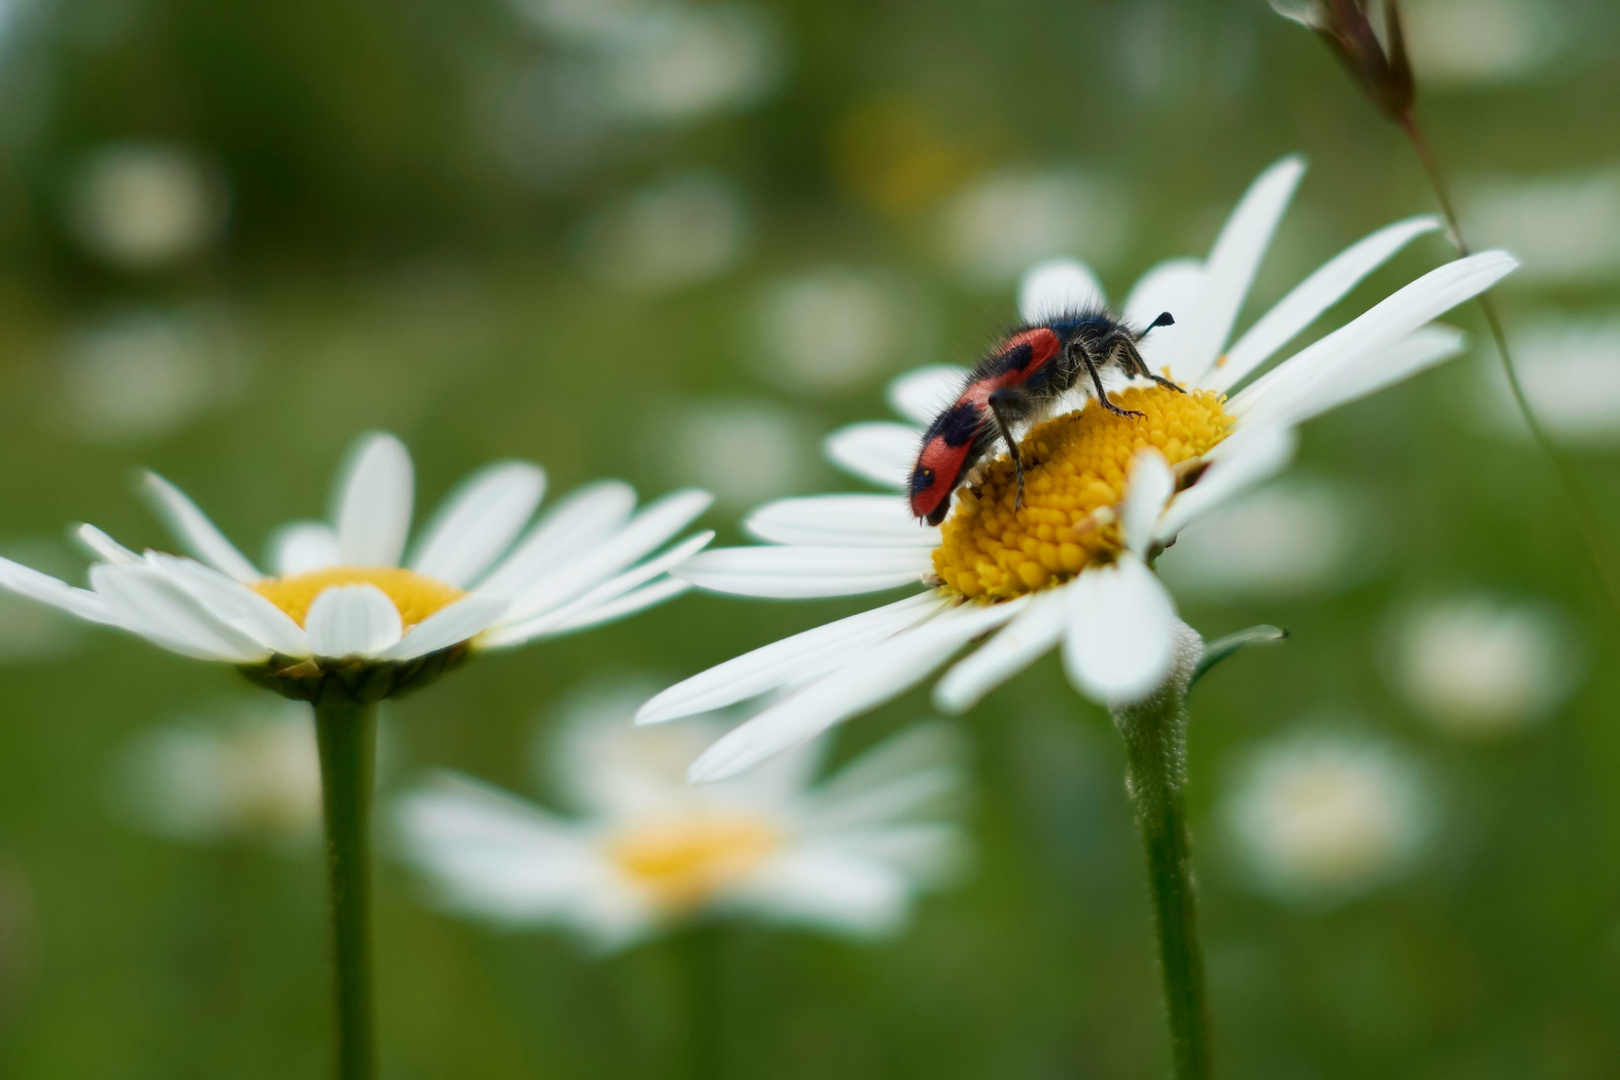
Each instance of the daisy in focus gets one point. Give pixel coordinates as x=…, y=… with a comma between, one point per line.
x=1069, y=564
x=643, y=852
x=346, y=611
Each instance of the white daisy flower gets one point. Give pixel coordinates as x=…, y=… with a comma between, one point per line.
x=1105, y=493
x=644, y=851
x=346, y=610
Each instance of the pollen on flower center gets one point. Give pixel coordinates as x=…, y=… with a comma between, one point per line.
x=1075, y=469
x=416, y=596
x=682, y=863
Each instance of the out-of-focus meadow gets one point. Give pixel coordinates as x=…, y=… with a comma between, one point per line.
x=678, y=242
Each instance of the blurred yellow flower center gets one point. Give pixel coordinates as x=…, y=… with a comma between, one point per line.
x=683, y=863
x=1075, y=467
x=415, y=595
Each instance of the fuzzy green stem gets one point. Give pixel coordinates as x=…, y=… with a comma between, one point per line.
x=1155, y=735
x=347, y=737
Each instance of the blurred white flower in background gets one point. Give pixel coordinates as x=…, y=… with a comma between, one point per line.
x=676, y=232
x=29, y=632
x=1297, y=537
x=1570, y=371
x=582, y=21
x=248, y=770
x=1564, y=228
x=742, y=451
x=141, y=206
x=1321, y=816
x=994, y=228
x=1479, y=665
x=1464, y=42
x=145, y=373
x=677, y=63
x=644, y=851
x=831, y=330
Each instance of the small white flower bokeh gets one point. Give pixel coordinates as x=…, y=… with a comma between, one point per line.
x=144, y=206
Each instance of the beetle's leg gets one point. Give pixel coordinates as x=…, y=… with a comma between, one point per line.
x=1096, y=381
x=1006, y=405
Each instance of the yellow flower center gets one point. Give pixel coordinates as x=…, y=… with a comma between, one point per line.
x=1075, y=470
x=416, y=596
x=683, y=863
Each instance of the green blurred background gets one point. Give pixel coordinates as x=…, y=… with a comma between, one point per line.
x=679, y=244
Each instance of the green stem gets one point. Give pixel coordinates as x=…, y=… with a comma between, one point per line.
x=347, y=736
x=701, y=960
x=1155, y=734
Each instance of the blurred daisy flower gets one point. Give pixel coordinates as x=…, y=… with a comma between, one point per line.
x=1570, y=368
x=142, y=206
x=1478, y=665
x=1105, y=493
x=641, y=851
x=1321, y=817
x=346, y=612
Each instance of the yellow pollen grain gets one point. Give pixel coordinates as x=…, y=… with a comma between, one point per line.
x=1075, y=469
x=683, y=863
x=416, y=596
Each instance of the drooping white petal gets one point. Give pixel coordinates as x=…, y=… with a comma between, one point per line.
x=352, y=620
x=103, y=546
x=1151, y=485
x=1173, y=286
x=1018, y=644
x=922, y=393
x=880, y=451
x=822, y=885
x=143, y=600
x=1323, y=371
x=1058, y=287
x=374, y=507
x=194, y=530
x=1231, y=266
x=451, y=625
x=797, y=572
x=608, y=591
x=479, y=521
x=301, y=547
x=1313, y=296
x=42, y=588
x=580, y=520
x=841, y=520
x=576, y=573
x=799, y=658
x=234, y=603
x=878, y=674
x=1249, y=457
x=1122, y=630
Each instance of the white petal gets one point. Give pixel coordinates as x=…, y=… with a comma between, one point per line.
x=823, y=886
x=1311, y=298
x=1122, y=632
x=460, y=621
x=104, y=547
x=879, y=451
x=1249, y=457
x=145, y=601
x=1019, y=644
x=44, y=589
x=878, y=674
x=1317, y=378
x=798, y=658
x=923, y=393
x=796, y=572
x=1418, y=351
x=917, y=772
x=1231, y=266
x=841, y=520
x=479, y=521
x=195, y=532
x=577, y=572
x=1151, y=485
x=1058, y=287
x=645, y=597
x=580, y=520
x=352, y=620
x=303, y=546
x=1172, y=286
x=514, y=633
x=236, y=604
x=374, y=507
